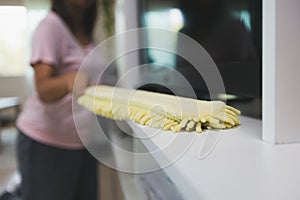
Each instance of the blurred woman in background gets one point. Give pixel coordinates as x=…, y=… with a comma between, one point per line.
x=53, y=162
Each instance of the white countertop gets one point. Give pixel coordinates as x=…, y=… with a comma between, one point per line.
x=240, y=166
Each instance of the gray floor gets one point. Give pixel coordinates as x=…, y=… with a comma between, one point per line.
x=7, y=155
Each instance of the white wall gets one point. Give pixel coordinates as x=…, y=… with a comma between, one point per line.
x=127, y=13
x=281, y=93
x=21, y=86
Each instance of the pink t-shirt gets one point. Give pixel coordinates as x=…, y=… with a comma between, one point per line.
x=53, y=123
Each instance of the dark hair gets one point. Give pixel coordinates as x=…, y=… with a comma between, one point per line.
x=90, y=14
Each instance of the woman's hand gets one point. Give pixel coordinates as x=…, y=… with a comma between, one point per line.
x=76, y=83
x=69, y=81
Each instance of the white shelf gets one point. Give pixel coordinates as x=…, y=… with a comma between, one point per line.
x=240, y=166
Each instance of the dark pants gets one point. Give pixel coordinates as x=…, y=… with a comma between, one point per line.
x=50, y=173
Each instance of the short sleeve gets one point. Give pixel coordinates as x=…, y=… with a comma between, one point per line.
x=45, y=43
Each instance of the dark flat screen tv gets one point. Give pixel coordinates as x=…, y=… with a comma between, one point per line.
x=229, y=30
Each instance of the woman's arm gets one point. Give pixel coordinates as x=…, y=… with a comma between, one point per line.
x=49, y=87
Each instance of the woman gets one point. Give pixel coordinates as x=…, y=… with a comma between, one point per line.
x=52, y=160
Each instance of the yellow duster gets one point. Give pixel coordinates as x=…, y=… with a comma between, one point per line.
x=157, y=110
